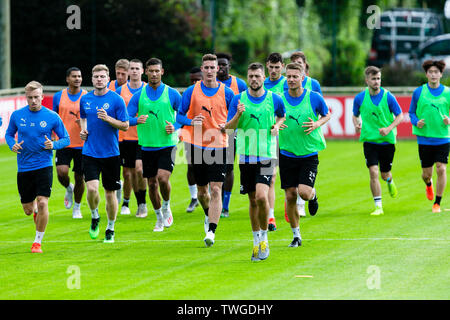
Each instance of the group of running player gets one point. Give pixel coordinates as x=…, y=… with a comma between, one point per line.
x=268, y=122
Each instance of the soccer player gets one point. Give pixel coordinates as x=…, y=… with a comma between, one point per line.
x=129, y=147
x=103, y=113
x=204, y=107
x=380, y=114
x=310, y=84
x=153, y=111
x=195, y=75
x=301, y=139
x=429, y=114
x=34, y=125
x=67, y=104
x=257, y=115
x=121, y=67
x=237, y=85
x=275, y=83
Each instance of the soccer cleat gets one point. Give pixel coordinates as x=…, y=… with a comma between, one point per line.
x=313, y=206
x=272, y=224
x=76, y=214
x=206, y=224
x=436, y=208
x=68, y=197
x=168, y=217
x=119, y=192
x=263, y=252
x=125, y=210
x=141, y=211
x=209, y=239
x=225, y=214
x=378, y=211
x=36, y=248
x=297, y=242
x=159, y=226
x=194, y=203
x=109, y=236
x=430, y=192
x=255, y=252
x=392, y=189
x=95, y=228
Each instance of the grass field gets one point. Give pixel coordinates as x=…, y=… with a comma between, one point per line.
x=346, y=253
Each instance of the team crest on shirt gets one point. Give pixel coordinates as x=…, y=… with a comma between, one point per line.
x=106, y=106
x=43, y=124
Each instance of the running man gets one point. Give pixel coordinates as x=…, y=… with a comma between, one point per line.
x=275, y=83
x=153, y=111
x=301, y=139
x=129, y=147
x=203, y=112
x=237, y=85
x=376, y=115
x=121, y=70
x=195, y=75
x=103, y=113
x=34, y=125
x=257, y=114
x=66, y=103
x=429, y=114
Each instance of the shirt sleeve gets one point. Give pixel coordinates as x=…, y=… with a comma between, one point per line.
x=121, y=109
x=229, y=95
x=394, y=107
x=413, y=106
x=315, y=86
x=133, y=108
x=11, y=131
x=233, y=107
x=279, y=108
x=56, y=100
x=82, y=112
x=318, y=102
x=175, y=99
x=242, y=86
x=61, y=132
x=357, y=104
x=184, y=107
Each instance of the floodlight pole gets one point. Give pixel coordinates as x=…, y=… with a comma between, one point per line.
x=5, y=44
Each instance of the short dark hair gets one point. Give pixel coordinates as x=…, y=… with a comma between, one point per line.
x=153, y=62
x=223, y=55
x=371, y=70
x=274, y=57
x=440, y=64
x=255, y=66
x=69, y=71
x=195, y=70
x=298, y=54
x=137, y=61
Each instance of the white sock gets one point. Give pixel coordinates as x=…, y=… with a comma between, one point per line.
x=271, y=213
x=39, y=236
x=159, y=214
x=166, y=204
x=377, y=201
x=296, y=232
x=77, y=205
x=95, y=214
x=70, y=187
x=193, y=191
x=300, y=201
x=263, y=235
x=110, y=225
x=255, y=238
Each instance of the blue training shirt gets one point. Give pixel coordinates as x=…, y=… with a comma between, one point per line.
x=32, y=127
x=242, y=86
x=103, y=139
x=153, y=95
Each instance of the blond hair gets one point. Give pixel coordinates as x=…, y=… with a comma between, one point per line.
x=123, y=63
x=100, y=67
x=295, y=66
x=33, y=85
x=209, y=57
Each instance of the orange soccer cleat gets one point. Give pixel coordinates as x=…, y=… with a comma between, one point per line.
x=36, y=248
x=436, y=208
x=430, y=192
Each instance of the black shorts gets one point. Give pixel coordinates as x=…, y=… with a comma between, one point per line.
x=295, y=171
x=253, y=173
x=139, y=153
x=66, y=155
x=152, y=161
x=208, y=165
x=231, y=154
x=429, y=155
x=128, y=153
x=35, y=183
x=382, y=154
x=108, y=167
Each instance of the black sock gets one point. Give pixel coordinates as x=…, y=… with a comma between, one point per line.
x=438, y=200
x=206, y=211
x=429, y=184
x=212, y=227
x=142, y=194
x=125, y=202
